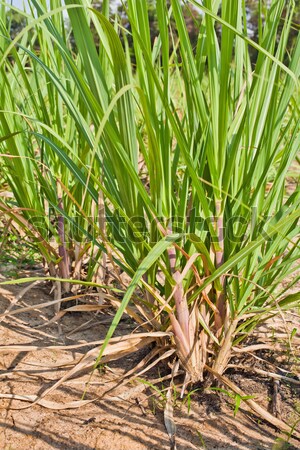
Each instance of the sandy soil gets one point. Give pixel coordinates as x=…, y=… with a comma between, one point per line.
x=128, y=417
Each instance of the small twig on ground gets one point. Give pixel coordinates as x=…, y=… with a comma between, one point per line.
x=276, y=406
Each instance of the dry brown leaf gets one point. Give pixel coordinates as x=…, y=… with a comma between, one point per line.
x=46, y=403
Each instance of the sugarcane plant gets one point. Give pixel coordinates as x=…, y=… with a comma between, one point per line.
x=173, y=158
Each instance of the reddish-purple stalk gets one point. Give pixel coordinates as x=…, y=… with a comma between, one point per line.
x=181, y=324
x=64, y=264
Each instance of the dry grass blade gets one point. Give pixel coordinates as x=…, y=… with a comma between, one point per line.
x=111, y=353
x=77, y=308
x=8, y=311
x=165, y=355
x=134, y=374
x=116, y=339
x=45, y=403
x=16, y=299
x=121, y=347
x=255, y=347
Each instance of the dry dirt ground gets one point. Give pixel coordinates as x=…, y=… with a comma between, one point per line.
x=129, y=417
